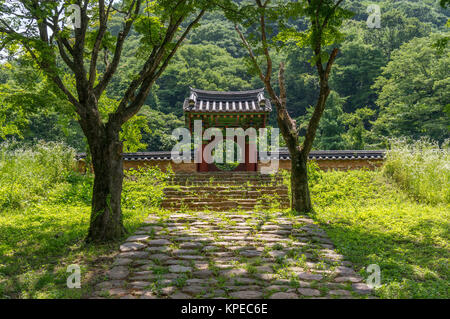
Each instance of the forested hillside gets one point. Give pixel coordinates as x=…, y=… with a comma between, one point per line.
x=388, y=82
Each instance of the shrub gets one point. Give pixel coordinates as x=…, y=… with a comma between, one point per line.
x=28, y=174
x=143, y=187
x=421, y=168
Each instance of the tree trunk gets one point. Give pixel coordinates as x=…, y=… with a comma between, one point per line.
x=300, y=197
x=106, y=216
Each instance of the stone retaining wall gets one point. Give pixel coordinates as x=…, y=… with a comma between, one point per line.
x=339, y=164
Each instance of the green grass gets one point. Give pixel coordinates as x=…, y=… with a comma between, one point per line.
x=370, y=216
x=422, y=169
x=44, y=219
x=37, y=245
x=372, y=221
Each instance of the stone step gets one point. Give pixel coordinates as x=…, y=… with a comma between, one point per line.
x=224, y=199
x=230, y=177
x=231, y=186
x=206, y=189
x=227, y=179
x=228, y=190
x=227, y=174
x=221, y=206
x=225, y=196
x=210, y=200
x=196, y=205
x=223, y=183
x=221, y=178
x=224, y=191
x=243, y=201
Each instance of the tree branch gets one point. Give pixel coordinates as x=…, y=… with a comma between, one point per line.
x=154, y=72
x=78, y=48
x=250, y=52
x=320, y=106
x=179, y=42
x=325, y=21
x=264, y=41
x=130, y=18
x=64, y=55
x=330, y=62
x=282, y=84
x=149, y=67
x=55, y=78
x=103, y=19
x=49, y=71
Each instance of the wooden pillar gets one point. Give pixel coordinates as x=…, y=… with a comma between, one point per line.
x=248, y=167
x=250, y=148
x=203, y=166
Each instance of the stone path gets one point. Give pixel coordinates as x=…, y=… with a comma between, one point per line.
x=230, y=255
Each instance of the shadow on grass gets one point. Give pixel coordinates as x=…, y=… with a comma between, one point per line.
x=410, y=267
x=35, y=251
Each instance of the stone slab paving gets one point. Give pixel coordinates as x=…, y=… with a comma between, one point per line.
x=230, y=255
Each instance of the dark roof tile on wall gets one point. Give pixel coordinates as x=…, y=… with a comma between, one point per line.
x=282, y=155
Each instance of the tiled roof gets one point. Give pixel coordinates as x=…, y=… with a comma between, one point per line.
x=283, y=155
x=252, y=101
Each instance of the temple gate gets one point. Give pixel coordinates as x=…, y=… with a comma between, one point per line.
x=222, y=110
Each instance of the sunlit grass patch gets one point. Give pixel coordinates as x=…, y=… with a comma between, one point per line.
x=422, y=169
x=45, y=219
x=373, y=222
x=38, y=244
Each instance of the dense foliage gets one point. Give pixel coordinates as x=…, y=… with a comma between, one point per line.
x=48, y=172
x=392, y=82
x=422, y=169
x=44, y=216
x=371, y=218
x=388, y=82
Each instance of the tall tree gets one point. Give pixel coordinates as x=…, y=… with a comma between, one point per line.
x=267, y=25
x=71, y=60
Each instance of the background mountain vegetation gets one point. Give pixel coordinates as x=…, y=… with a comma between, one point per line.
x=387, y=83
